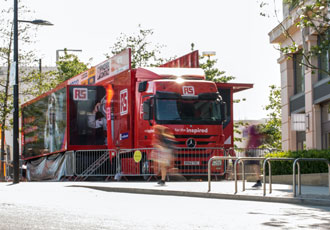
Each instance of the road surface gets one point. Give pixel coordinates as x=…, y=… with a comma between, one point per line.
x=54, y=206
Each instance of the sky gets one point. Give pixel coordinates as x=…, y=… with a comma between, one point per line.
x=233, y=29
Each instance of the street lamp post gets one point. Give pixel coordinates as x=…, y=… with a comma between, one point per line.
x=58, y=53
x=16, y=92
x=208, y=54
x=15, y=130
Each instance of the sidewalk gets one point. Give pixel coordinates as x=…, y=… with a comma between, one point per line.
x=311, y=195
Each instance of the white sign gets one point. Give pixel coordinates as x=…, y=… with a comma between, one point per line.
x=80, y=94
x=12, y=74
x=188, y=90
x=191, y=162
x=123, y=102
x=104, y=70
x=298, y=122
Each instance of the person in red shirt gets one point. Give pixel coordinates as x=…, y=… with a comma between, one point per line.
x=254, y=141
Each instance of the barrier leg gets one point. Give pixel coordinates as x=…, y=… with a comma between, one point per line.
x=329, y=177
x=209, y=175
x=299, y=179
x=235, y=174
x=264, y=176
x=270, y=176
x=243, y=175
x=294, y=178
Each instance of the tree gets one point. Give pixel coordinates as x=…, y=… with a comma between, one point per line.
x=312, y=18
x=272, y=128
x=144, y=53
x=69, y=66
x=211, y=72
x=39, y=82
x=26, y=33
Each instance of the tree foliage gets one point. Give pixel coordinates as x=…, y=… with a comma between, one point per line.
x=69, y=66
x=211, y=72
x=39, y=82
x=144, y=52
x=272, y=128
x=312, y=18
x=26, y=34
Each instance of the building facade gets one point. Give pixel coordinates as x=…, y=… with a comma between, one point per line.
x=305, y=93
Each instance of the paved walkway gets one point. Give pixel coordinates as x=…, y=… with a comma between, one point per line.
x=311, y=195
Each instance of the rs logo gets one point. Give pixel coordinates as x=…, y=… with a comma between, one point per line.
x=188, y=90
x=80, y=94
x=123, y=102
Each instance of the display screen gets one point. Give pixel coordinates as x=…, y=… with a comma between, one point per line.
x=44, y=125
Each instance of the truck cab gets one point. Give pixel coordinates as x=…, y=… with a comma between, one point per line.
x=190, y=106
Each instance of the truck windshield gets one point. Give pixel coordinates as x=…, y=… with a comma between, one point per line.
x=170, y=111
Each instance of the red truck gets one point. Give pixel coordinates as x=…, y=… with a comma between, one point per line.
x=101, y=121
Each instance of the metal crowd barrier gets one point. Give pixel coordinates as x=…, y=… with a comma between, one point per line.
x=94, y=163
x=136, y=162
x=184, y=161
x=296, y=162
x=195, y=161
x=253, y=152
x=9, y=170
x=237, y=160
x=145, y=162
x=242, y=159
x=221, y=158
x=268, y=160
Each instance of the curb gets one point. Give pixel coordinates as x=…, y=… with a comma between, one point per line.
x=288, y=200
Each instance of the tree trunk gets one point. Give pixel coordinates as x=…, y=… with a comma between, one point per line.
x=5, y=113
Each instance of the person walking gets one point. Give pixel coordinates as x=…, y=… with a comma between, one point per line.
x=164, y=144
x=254, y=141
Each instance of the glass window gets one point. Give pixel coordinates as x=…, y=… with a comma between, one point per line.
x=324, y=56
x=299, y=82
x=87, y=115
x=187, y=111
x=44, y=124
x=226, y=97
x=301, y=140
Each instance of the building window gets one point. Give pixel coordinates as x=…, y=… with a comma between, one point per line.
x=301, y=140
x=325, y=125
x=298, y=71
x=324, y=56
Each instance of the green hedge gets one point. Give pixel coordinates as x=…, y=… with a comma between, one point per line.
x=286, y=167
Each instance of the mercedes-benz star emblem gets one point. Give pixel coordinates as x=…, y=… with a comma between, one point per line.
x=191, y=143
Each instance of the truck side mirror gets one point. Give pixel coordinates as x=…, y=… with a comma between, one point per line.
x=143, y=86
x=223, y=111
x=147, y=112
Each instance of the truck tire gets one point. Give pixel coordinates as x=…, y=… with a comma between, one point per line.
x=145, y=167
